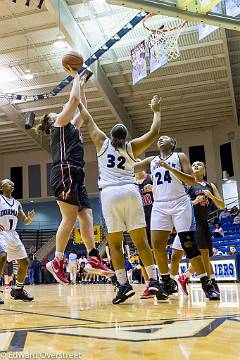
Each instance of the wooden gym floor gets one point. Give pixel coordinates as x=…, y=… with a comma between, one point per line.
x=79, y=320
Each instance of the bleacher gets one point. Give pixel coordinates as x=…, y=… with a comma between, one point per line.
x=35, y=238
x=231, y=236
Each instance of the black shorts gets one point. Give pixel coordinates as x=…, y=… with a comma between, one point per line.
x=203, y=237
x=8, y=268
x=68, y=185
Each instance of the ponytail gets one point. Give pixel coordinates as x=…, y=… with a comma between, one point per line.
x=43, y=128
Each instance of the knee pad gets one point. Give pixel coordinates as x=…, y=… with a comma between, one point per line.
x=189, y=244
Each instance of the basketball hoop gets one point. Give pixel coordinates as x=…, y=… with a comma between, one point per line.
x=166, y=36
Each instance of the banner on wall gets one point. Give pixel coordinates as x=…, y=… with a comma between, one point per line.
x=97, y=235
x=157, y=54
x=139, y=65
x=205, y=29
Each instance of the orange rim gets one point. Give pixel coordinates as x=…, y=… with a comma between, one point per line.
x=152, y=14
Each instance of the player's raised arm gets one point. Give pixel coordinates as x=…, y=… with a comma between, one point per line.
x=139, y=145
x=66, y=115
x=186, y=175
x=77, y=121
x=97, y=136
x=143, y=165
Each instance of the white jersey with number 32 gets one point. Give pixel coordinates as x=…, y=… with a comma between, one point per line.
x=166, y=186
x=115, y=166
x=9, y=209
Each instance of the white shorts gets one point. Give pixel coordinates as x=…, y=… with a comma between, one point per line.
x=175, y=213
x=122, y=208
x=13, y=245
x=177, y=244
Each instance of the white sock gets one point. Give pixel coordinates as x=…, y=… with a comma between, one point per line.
x=150, y=270
x=202, y=275
x=59, y=255
x=147, y=282
x=188, y=274
x=121, y=276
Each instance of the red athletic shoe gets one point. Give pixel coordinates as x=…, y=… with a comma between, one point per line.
x=97, y=266
x=183, y=281
x=146, y=294
x=55, y=267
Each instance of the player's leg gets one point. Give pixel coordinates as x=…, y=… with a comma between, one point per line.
x=95, y=264
x=69, y=216
x=146, y=293
x=125, y=290
x=177, y=255
x=16, y=251
x=184, y=223
x=3, y=259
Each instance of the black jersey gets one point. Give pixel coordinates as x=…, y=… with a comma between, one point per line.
x=67, y=146
x=203, y=209
x=147, y=196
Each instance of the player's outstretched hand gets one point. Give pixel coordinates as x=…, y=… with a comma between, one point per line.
x=148, y=187
x=164, y=165
x=199, y=199
x=31, y=214
x=155, y=104
x=207, y=193
x=70, y=71
x=83, y=81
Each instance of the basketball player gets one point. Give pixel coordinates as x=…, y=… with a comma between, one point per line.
x=121, y=200
x=10, y=243
x=145, y=187
x=203, y=195
x=67, y=180
x=172, y=207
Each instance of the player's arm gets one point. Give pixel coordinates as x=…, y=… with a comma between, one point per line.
x=215, y=197
x=143, y=165
x=66, y=115
x=97, y=136
x=27, y=219
x=139, y=145
x=77, y=121
x=186, y=175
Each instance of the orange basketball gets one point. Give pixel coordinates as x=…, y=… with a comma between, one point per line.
x=73, y=59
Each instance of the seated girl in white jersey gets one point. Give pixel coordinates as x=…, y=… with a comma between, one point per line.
x=203, y=196
x=121, y=201
x=172, y=207
x=67, y=181
x=11, y=247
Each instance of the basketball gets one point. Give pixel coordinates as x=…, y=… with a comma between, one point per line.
x=73, y=59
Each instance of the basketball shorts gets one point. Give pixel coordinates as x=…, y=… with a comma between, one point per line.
x=68, y=185
x=122, y=208
x=202, y=236
x=13, y=245
x=175, y=213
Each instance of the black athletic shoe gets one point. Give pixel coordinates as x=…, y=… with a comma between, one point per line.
x=156, y=288
x=215, y=285
x=209, y=289
x=21, y=294
x=170, y=286
x=124, y=292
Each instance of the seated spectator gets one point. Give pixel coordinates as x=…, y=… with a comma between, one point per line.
x=224, y=214
x=234, y=211
x=216, y=252
x=233, y=250
x=236, y=220
x=218, y=231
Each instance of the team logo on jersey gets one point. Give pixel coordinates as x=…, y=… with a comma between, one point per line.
x=8, y=212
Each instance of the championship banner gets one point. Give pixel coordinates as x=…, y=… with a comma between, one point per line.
x=232, y=7
x=139, y=65
x=157, y=54
x=205, y=29
x=97, y=234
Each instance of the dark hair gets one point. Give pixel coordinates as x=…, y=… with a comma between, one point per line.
x=119, y=134
x=174, y=142
x=44, y=126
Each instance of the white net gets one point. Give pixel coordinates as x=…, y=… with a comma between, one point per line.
x=164, y=35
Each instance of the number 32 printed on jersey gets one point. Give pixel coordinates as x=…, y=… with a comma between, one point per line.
x=119, y=162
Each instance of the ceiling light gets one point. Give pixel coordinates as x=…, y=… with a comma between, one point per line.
x=60, y=42
x=28, y=75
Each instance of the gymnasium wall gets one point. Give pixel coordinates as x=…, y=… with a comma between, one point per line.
x=211, y=138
